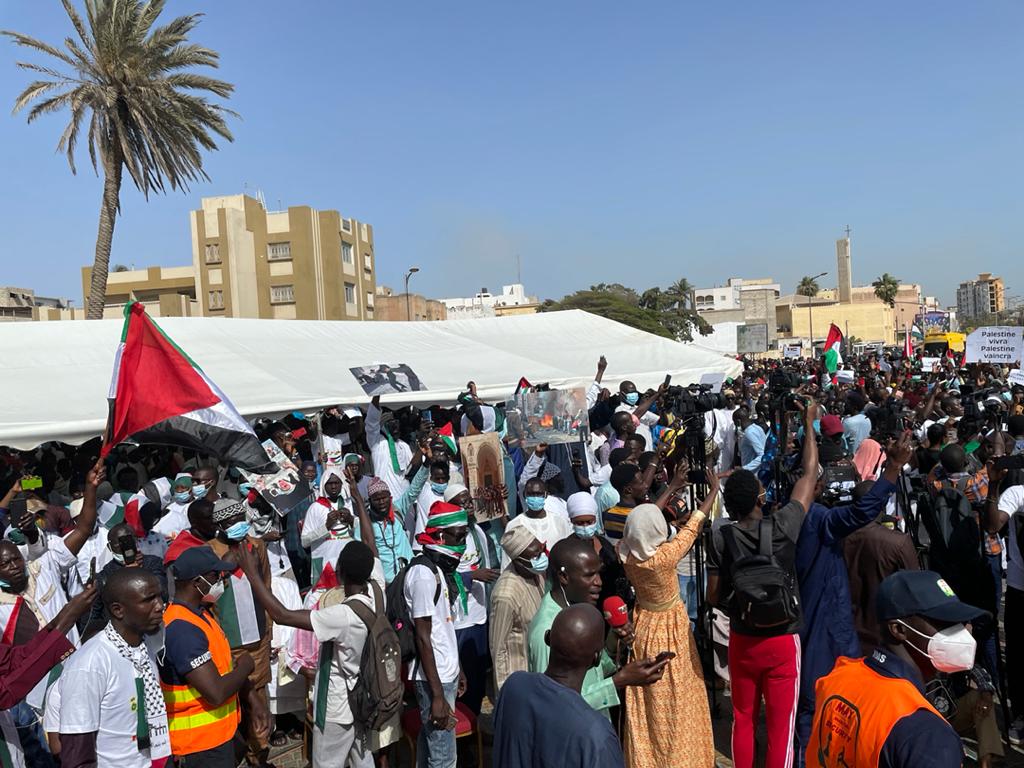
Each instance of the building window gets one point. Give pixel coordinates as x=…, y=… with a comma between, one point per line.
x=212, y=253
x=282, y=294
x=362, y=233
x=346, y=225
x=368, y=262
x=279, y=251
x=346, y=253
x=350, y=293
x=215, y=299
x=369, y=300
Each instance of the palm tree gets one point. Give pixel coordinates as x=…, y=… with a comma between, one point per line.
x=808, y=286
x=886, y=287
x=681, y=292
x=146, y=110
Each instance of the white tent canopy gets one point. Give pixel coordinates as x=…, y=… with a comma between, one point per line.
x=57, y=374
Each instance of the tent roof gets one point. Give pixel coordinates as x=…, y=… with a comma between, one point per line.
x=57, y=374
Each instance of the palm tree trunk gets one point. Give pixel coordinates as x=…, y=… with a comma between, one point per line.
x=112, y=166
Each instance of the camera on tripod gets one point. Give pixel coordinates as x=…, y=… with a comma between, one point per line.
x=781, y=384
x=693, y=400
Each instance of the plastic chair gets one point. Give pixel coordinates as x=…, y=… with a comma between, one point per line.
x=466, y=725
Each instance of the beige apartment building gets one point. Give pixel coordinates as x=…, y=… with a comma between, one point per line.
x=399, y=306
x=299, y=264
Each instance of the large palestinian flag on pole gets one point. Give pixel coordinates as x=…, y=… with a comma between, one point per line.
x=159, y=395
x=833, y=347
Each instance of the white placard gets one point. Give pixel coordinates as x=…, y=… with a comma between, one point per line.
x=927, y=363
x=995, y=344
x=714, y=379
x=791, y=351
x=1016, y=377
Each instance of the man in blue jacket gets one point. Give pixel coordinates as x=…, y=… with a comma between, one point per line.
x=828, y=631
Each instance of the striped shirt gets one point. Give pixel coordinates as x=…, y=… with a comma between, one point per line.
x=615, y=521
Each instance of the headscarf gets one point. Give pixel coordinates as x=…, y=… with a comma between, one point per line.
x=182, y=480
x=327, y=475
x=549, y=470
x=445, y=516
x=581, y=504
x=645, y=531
x=867, y=459
x=515, y=540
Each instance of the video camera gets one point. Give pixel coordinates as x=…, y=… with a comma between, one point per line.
x=838, y=481
x=686, y=402
x=781, y=384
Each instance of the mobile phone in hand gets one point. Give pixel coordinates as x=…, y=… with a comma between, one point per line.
x=664, y=656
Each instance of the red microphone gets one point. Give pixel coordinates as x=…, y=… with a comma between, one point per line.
x=615, y=612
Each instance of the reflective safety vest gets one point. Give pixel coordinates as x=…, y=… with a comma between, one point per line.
x=195, y=724
x=855, y=710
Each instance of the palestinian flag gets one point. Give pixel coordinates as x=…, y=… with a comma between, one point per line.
x=236, y=612
x=915, y=332
x=159, y=395
x=523, y=386
x=447, y=435
x=149, y=503
x=833, y=344
x=908, y=346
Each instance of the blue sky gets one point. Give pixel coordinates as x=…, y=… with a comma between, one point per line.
x=634, y=143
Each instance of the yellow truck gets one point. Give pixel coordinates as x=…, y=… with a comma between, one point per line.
x=937, y=344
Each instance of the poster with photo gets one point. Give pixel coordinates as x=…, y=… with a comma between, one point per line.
x=555, y=416
x=483, y=467
x=283, y=489
x=383, y=379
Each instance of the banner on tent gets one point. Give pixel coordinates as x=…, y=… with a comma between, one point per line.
x=483, y=466
x=387, y=379
x=995, y=344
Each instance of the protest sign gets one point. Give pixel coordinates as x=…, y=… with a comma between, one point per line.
x=995, y=344
x=791, y=351
x=283, y=489
x=483, y=466
x=555, y=416
x=1016, y=377
x=928, y=363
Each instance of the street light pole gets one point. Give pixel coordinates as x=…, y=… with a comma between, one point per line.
x=410, y=273
x=810, y=315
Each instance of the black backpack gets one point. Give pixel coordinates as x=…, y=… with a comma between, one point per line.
x=398, y=610
x=764, y=596
x=378, y=692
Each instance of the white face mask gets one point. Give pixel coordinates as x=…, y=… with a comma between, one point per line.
x=951, y=650
x=216, y=590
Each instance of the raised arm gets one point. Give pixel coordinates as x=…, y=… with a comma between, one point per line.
x=803, y=491
x=86, y=522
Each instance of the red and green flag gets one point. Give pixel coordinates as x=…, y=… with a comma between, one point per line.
x=833, y=347
x=159, y=395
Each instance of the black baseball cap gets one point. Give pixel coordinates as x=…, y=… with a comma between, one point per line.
x=195, y=561
x=922, y=593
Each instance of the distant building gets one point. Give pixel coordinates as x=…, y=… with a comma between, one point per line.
x=844, y=270
x=741, y=300
x=511, y=301
x=398, y=306
x=24, y=304
x=166, y=292
x=984, y=296
x=300, y=263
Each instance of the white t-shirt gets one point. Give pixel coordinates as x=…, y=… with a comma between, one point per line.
x=340, y=625
x=1012, y=502
x=420, y=587
x=105, y=702
x=424, y=502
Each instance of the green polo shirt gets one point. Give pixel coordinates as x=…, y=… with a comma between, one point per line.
x=598, y=688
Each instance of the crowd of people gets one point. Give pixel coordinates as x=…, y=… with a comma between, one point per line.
x=828, y=547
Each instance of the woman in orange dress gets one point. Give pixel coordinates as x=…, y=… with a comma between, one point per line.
x=668, y=723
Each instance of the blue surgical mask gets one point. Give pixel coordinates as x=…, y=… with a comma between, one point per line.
x=633, y=398
x=4, y=584
x=244, y=488
x=1007, y=396
x=199, y=491
x=439, y=488
x=538, y=564
x=182, y=497
x=585, y=531
x=535, y=503
x=238, y=531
